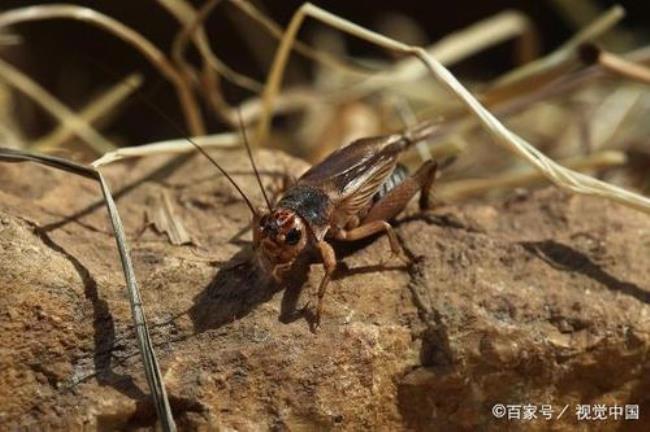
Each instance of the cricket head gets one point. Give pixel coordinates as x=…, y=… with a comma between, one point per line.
x=279, y=236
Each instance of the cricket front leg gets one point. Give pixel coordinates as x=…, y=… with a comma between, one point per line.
x=279, y=270
x=329, y=264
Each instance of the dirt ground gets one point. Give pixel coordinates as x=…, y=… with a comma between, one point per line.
x=538, y=299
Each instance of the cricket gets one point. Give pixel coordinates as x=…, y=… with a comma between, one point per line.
x=455, y=209
x=350, y=195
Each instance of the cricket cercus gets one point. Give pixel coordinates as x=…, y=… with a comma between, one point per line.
x=350, y=195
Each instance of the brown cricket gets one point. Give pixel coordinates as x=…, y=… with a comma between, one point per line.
x=352, y=194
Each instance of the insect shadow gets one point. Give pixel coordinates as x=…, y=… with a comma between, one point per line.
x=240, y=286
x=103, y=321
x=563, y=257
x=103, y=325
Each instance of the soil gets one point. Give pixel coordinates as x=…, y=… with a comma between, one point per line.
x=541, y=298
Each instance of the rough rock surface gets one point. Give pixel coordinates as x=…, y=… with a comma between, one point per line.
x=541, y=299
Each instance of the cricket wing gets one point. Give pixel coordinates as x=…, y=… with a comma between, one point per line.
x=347, y=165
x=358, y=193
x=353, y=174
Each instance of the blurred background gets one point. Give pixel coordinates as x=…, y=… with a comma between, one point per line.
x=78, y=63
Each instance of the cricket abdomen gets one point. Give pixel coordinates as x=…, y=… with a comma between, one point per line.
x=399, y=174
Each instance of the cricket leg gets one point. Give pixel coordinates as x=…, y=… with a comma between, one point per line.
x=329, y=264
x=396, y=200
x=390, y=206
x=368, y=229
x=425, y=176
x=279, y=270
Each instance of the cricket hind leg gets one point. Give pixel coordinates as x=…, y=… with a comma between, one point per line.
x=396, y=199
x=390, y=205
x=375, y=222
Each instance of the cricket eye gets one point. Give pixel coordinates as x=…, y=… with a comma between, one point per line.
x=293, y=236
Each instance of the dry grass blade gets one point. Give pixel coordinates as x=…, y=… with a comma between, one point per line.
x=95, y=110
x=130, y=36
x=608, y=116
x=504, y=104
x=211, y=64
x=12, y=155
x=293, y=99
x=228, y=140
x=567, y=51
x=613, y=63
x=491, y=31
x=553, y=66
x=450, y=50
x=578, y=13
x=460, y=45
x=461, y=189
x=275, y=30
x=65, y=116
x=152, y=370
x=10, y=137
x=191, y=21
x=504, y=107
x=559, y=175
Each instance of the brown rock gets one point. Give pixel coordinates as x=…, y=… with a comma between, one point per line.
x=540, y=300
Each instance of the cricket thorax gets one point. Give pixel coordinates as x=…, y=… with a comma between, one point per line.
x=311, y=203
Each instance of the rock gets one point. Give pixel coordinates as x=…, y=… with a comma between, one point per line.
x=539, y=300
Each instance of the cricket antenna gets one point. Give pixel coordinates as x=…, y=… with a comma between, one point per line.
x=223, y=171
x=181, y=131
x=242, y=128
x=169, y=120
